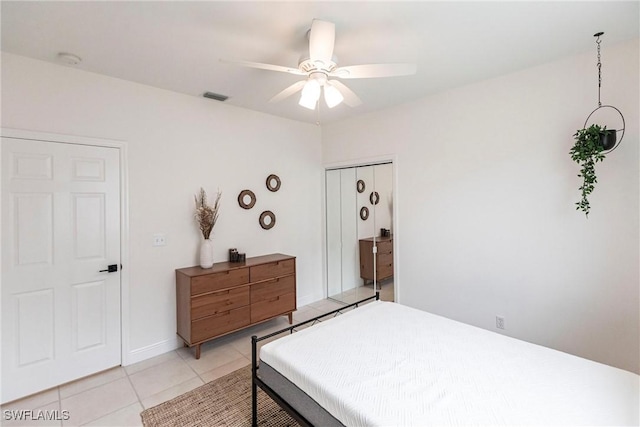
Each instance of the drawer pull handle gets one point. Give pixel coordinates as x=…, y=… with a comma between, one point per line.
x=274, y=299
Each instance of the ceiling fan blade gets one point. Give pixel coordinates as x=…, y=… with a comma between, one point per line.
x=374, y=70
x=321, y=41
x=297, y=86
x=262, y=66
x=350, y=98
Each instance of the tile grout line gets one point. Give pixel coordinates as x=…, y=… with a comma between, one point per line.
x=154, y=365
x=134, y=390
x=60, y=398
x=179, y=356
x=112, y=412
x=116, y=410
x=192, y=370
x=119, y=409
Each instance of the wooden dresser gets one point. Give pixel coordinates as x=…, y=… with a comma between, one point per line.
x=384, y=261
x=233, y=295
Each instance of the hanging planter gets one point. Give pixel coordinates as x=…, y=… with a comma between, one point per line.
x=608, y=138
x=587, y=151
x=593, y=143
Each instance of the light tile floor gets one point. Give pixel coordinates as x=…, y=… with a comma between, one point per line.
x=117, y=396
x=352, y=295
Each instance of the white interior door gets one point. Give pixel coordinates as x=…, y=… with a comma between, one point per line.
x=60, y=227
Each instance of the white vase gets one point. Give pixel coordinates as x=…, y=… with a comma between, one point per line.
x=206, y=253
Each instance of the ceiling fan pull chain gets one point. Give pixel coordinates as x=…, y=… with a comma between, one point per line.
x=318, y=112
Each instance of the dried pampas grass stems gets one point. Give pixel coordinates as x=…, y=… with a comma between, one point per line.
x=206, y=215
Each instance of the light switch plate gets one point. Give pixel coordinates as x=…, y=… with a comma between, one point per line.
x=159, y=240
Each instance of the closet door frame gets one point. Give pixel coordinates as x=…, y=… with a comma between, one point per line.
x=361, y=162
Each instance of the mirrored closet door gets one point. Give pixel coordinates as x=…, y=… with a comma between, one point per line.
x=359, y=215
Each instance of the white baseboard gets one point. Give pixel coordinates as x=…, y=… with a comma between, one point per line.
x=308, y=299
x=153, y=350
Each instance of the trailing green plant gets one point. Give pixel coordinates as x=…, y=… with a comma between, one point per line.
x=587, y=151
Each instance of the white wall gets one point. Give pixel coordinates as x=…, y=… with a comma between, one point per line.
x=177, y=144
x=486, y=192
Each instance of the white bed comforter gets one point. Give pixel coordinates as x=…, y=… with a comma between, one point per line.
x=386, y=364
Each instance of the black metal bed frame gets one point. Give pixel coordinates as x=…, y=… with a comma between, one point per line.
x=257, y=382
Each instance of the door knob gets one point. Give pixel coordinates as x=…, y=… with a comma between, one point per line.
x=110, y=269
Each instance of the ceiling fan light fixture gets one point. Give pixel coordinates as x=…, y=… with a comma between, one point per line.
x=319, y=64
x=332, y=96
x=310, y=94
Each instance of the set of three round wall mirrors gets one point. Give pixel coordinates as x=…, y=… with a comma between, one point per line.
x=247, y=200
x=374, y=198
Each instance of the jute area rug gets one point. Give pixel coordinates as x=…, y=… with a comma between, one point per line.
x=222, y=402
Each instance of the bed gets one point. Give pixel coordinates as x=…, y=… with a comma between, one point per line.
x=387, y=364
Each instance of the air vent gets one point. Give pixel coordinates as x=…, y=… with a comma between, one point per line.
x=215, y=96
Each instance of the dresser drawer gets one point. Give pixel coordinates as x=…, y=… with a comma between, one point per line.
x=384, y=265
x=269, y=290
x=280, y=304
x=272, y=269
x=384, y=259
x=220, y=323
x=385, y=247
x=217, y=301
x=217, y=281
x=209, y=304
x=384, y=271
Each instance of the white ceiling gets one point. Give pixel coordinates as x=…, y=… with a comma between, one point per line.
x=177, y=45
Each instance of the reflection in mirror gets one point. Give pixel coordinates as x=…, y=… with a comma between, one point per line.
x=349, y=224
x=364, y=213
x=333, y=241
x=374, y=198
x=351, y=272
x=366, y=229
x=383, y=213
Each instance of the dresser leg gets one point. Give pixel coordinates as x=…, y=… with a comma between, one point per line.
x=290, y=318
x=198, y=351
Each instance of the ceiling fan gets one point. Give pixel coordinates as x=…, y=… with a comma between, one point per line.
x=321, y=70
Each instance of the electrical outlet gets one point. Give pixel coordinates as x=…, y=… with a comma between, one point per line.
x=499, y=322
x=159, y=240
